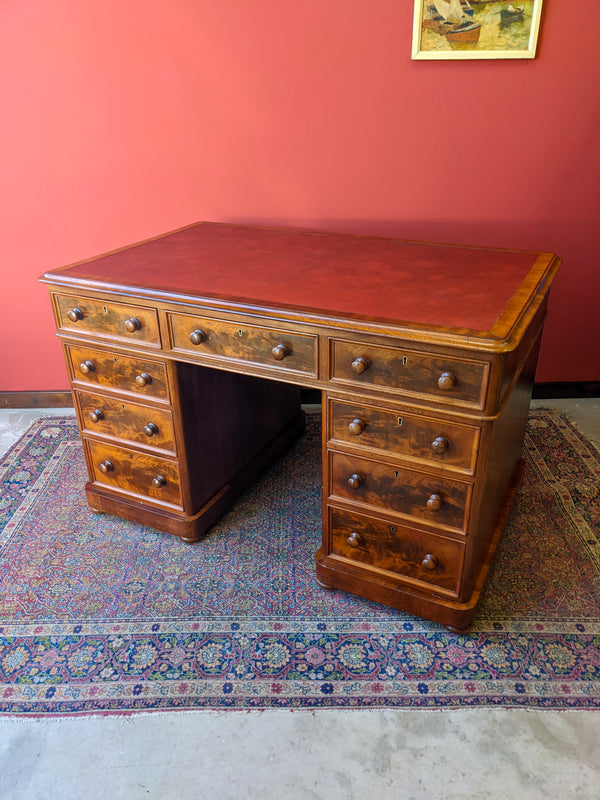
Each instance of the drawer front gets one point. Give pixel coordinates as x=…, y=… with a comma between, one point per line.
x=282, y=350
x=429, y=498
x=422, y=557
x=125, y=373
x=105, y=318
x=108, y=416
x=450, y=380
x=445, y=444
x=135, y=473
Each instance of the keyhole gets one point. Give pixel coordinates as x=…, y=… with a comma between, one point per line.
x=396, y=474
x=392, y=529
x=240, y=332
x=405, y=360
x=399, y=420
x=105, y=309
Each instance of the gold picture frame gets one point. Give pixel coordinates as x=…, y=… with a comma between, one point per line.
x=459, y=29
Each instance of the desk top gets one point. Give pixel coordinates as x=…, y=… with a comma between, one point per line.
x=470, y=290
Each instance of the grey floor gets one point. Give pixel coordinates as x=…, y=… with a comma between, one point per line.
x=470, y=754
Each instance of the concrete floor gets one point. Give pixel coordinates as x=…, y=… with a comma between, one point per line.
x=472, y=754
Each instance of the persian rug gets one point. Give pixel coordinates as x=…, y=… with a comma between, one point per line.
x=102, y=616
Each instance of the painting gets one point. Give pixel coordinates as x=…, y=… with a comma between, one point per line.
x=453, y=29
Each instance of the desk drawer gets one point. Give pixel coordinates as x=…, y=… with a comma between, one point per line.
x=124, y=373
x=443, y=444
x=282, y=350
x=429, y=498
x=134, y=472
x=409, y=372
x=108, y=416
x=106, y=318
x=422, y=557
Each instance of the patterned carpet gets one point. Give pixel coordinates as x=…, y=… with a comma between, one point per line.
x=98, y=615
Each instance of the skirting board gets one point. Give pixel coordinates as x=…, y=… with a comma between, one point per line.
x=36, y=400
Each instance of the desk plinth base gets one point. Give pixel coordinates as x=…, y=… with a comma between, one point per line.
x=334, y=574
x=189, y=529
x=192, y=528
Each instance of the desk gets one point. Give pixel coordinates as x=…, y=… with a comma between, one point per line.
x=186, y=353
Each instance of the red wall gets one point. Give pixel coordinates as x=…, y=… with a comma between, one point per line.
x=121, y=120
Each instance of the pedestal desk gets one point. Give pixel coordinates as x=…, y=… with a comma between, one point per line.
x=186, y=353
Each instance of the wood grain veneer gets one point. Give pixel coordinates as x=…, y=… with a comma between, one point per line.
x=192, y=347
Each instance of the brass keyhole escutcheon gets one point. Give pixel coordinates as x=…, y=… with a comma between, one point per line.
x=404, y=360
x=240, y=332
x=400, y=420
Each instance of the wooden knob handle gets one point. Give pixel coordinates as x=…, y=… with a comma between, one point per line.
x=280, y=351
x=356, y=427
x=355, y=481
x=354, y=539
x=198, y=336
x=158, y=481
x=429, y=562
x=86, y=367
x=133, y=324
x=435, y=502
x=440, y=445
x=150, y=429
x=105, y=466
x=446, y=381
x=143, y=379
x=96, y=415
x=360, y=364
x=75, y=314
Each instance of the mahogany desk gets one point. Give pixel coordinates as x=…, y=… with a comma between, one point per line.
x=186, y=354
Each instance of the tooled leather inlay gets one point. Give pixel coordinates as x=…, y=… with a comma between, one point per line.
x=428, y=284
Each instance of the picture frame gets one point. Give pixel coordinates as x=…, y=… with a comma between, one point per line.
x=469, y=29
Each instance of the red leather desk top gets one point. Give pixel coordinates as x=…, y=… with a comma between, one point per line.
x=335, y=275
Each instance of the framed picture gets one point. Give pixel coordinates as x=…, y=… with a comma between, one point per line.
x=475, y=29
